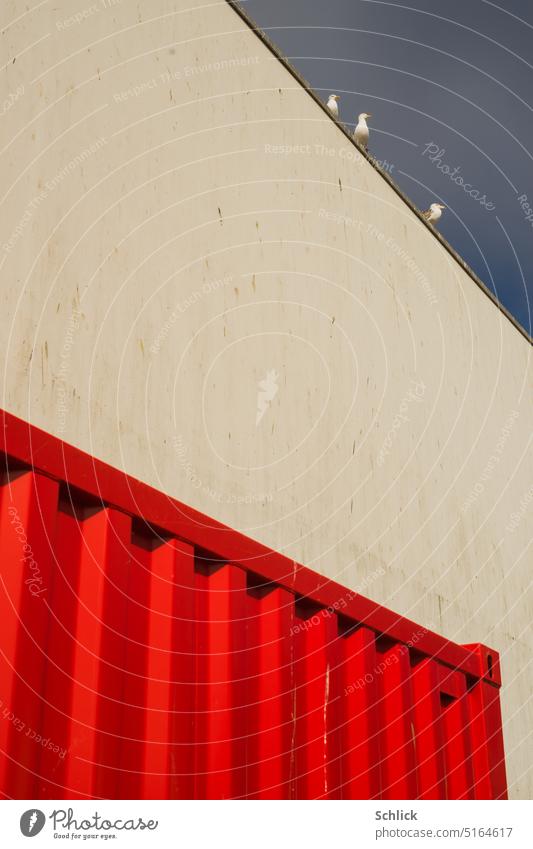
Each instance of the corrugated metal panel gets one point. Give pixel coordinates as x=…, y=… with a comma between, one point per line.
x=150, y=652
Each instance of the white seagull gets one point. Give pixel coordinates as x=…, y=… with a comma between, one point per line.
x=361, y=131
x=333, y=106
x=433, y=213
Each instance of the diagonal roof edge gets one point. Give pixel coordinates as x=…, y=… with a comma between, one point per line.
x=237, y=8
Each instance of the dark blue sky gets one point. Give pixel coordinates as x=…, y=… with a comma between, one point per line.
x=457, y=74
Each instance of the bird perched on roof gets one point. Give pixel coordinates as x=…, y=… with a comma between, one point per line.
x=434, y=212
x=361, y=131
x=333, y=105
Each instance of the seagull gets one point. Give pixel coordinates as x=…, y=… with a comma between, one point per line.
x=361, y=131
x=434, y=212
x=332, y=105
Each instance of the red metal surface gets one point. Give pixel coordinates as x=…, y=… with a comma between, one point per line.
x=148, y=651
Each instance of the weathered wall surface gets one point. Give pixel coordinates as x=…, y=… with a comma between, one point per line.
x=204, y=284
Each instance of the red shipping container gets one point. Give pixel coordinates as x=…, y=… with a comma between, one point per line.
x=150, y=652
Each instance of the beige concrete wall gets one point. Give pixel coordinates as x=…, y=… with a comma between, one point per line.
x=175, y=227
